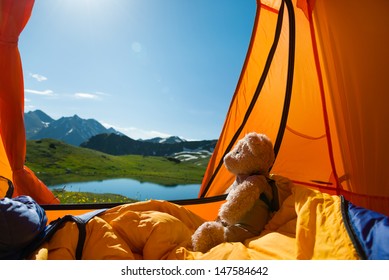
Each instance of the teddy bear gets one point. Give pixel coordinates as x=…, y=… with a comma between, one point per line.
x=247, y=207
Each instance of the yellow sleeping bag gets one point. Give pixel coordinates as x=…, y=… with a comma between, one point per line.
x=308, y=225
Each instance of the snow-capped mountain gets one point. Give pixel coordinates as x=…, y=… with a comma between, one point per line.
x=91, y=134
x=72, y=130
x=167, y=140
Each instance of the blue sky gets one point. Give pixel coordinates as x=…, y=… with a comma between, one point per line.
x=145, y=67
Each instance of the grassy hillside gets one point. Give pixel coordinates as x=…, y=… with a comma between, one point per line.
x=86, y=197
x=56, y=162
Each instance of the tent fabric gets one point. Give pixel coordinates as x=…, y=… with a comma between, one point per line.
x=162, y=230
x=335, y=132
x=7, y=187
x=14, y=16
x=353, y=56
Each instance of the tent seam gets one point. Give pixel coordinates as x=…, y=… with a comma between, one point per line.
x=323, y=100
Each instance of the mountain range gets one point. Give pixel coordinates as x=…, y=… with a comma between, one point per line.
x=72, y=130
x=115, y=144
x=89, y=133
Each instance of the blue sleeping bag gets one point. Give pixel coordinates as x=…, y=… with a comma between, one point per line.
x=22, y=221
x=369, y=231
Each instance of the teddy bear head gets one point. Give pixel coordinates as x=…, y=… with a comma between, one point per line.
x=253, y=154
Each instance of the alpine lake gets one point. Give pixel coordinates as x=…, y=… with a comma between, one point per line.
x=132, y=189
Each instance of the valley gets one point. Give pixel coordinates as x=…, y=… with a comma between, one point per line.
x=72, y=149
x=56, y=162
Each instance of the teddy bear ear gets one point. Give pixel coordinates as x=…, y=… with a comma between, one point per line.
x=256, y=138
x=258, y=141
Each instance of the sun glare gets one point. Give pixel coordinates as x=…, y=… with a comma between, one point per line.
x=91, y=18
x=90, y=9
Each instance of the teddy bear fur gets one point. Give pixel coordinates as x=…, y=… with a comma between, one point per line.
x=244, y=214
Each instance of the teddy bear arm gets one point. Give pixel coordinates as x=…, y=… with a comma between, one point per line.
x=239, y=202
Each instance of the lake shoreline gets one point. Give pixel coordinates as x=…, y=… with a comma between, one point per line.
x=125, y=189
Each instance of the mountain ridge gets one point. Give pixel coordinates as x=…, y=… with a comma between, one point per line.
x=71, y=130
x=89, y=133
x=114, y=144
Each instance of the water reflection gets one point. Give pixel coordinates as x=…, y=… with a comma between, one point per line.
x=133, y=189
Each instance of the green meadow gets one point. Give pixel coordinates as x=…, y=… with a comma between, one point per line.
x=55, y=162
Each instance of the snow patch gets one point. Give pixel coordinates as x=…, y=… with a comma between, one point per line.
x=70, y=131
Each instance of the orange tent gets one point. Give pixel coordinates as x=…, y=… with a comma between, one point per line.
x=13, y=17
x=314, y=81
